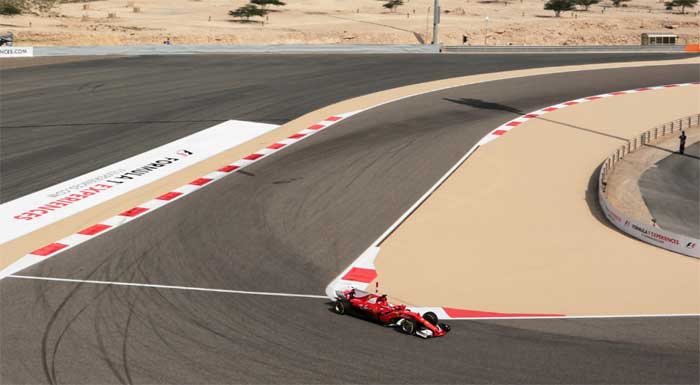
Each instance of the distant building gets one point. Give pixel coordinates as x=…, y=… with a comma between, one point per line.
x=659, y=38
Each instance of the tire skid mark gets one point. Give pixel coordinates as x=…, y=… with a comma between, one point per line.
x=50, y=368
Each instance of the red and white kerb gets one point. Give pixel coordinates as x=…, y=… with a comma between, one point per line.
x=504, y=128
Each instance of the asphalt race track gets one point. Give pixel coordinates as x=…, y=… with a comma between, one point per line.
x=670, y=190
x=64, y=120
x=289, y=224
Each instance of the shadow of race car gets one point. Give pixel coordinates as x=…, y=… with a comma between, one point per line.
x=376, y=308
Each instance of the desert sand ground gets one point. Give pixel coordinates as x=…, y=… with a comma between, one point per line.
x=517, y=22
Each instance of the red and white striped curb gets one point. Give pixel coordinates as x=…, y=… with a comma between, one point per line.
x=98, y=229
x=358, y=275
x=362, y=271
x=504, y=128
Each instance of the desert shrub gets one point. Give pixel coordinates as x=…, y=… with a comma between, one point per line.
x=681, y=3
x=9, y=9
x=28, y=5
x=247, y=11
x=393, y=4
x=264, y=3
x=559, y=6
x=586, y=3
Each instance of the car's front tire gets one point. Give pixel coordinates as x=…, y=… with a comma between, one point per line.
x=340, y=307
x=408, y=326
x=431, y=317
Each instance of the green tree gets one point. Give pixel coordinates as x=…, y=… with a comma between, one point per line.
x=586, y=3
x=559, y=6
x=264, y=3
x=247, y=11
x=682, y=3
x=617, y=3
x=393, y=4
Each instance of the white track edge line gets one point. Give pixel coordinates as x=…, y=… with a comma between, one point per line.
x=612, y=316
x=294, y=295
x=425, y=196
x=156, y=286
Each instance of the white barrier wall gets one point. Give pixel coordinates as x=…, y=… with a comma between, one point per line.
x=649, y=234
x=6, y=51
x=190, y=49
x=658, y=237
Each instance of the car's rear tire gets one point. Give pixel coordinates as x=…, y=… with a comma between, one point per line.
x=431, y=317
x=408, y=326
x=340, y=307
x=445, y=327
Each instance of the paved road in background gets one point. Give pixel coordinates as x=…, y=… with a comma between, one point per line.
x=671, y=190
x=289, y=224
x=64, y=120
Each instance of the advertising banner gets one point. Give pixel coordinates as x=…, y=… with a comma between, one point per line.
x=650, y=234
x=9, y=51
x=31, y=212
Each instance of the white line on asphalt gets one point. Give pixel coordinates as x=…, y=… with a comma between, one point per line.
x=294, y=295
x=567, y=317
x=154, y=286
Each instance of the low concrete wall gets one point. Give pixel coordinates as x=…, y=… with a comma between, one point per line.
x=650, y=234
x=564, y=49
x=228, y=49
x=162, y=49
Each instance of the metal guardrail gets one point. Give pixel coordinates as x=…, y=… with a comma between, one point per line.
x=646, y=138
x=562, y=49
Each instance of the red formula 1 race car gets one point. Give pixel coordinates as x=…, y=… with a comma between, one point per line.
x=377, y=308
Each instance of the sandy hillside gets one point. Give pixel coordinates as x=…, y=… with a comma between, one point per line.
x=344, y=22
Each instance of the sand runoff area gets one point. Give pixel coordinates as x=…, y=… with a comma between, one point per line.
x=517, y=228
